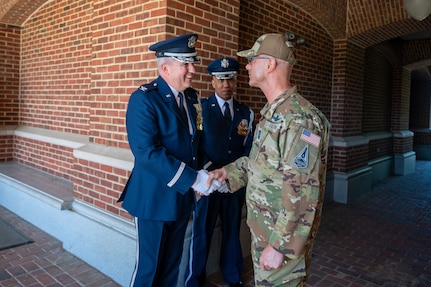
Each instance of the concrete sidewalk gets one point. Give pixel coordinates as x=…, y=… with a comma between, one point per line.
x=381, y=239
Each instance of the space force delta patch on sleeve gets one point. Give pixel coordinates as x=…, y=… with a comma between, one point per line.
x=304, y=151
x=301, y=159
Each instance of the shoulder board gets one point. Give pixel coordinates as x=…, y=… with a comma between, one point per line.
x=148, y=87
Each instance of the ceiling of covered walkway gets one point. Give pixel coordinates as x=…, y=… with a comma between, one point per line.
x=364, y=22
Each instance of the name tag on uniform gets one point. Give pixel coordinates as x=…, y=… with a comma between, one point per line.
x=271, y=126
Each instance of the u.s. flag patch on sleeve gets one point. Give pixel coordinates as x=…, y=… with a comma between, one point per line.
x=310, y=138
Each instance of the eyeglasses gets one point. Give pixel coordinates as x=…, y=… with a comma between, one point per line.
x=251, y=58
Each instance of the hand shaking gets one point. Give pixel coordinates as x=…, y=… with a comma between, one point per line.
x=206, y=184
x=202, y=186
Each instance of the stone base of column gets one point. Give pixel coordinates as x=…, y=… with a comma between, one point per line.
x=343, y=187
x=404, y=163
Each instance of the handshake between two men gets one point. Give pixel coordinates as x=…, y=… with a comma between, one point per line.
x=209, y=181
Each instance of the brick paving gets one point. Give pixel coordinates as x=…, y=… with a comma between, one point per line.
x=381, y=239
x=44, y=262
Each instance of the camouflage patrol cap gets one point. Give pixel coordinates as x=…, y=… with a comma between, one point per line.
x=272, y=44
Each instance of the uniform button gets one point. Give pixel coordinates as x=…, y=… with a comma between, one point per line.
x=229, y=151
x=194, y=158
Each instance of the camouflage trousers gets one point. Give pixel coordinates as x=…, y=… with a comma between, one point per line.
x=298, y=282
x=286, y=276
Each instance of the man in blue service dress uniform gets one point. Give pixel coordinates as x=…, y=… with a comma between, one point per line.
x=164, y=124
x=227, y=136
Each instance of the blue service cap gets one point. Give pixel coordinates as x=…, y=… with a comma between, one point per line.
x=181, y=48
x=223, y=68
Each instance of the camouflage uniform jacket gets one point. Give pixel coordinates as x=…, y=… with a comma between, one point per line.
x=285, y=175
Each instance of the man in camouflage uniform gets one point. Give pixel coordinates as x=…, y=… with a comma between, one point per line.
x=285, y=171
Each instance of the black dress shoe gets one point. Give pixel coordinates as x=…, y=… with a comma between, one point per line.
x=236, y=284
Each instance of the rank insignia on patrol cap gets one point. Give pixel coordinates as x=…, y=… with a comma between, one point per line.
x=223, y=68
x=181, y=48
x=275, y=45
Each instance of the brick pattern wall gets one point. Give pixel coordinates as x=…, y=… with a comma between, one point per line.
x=82, y=59
x=16, y=12
x=80, y=64
x=347, y=100
x=400, y=99
x=420, y=104
x=354, y=89
x=345, y=159
x=422, y=138
x=376, y=114
x=51, y=158
x=380, y=148
x=347, y=105
x=121, y=59
x=311, y=74
x=6, y=148
x=9, y=85
x=9, y=74
x=403, y=145
x=329, y=13
x=100, y=185
x=400, y=109
x=55, y=73
x=371, y=22
x=417, y=54
x=365, y=15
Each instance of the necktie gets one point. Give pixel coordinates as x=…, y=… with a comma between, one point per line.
x=227, y=114
x=182, y=109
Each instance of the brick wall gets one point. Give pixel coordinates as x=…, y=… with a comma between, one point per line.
x=80, y=60
x=420, y=104
x=422, y=138
x=55, y=75
x=121, y=59
x=376, y=114
x=345, y=159
x=81, y=63
x=52, y=158
x=9, y=86
x=380, y=148
x=100, y=185
x=6, y=148
x=313, y=71
x=9, y=74
x=400, y=99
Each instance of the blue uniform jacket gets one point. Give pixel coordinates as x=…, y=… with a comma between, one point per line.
x=165, y=153
x=223, y=143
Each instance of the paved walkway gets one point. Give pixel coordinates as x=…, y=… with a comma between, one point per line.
x=380, y=239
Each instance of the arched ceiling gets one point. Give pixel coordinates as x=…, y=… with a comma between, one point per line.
x=364, y=22
x=369, y=22
x=15, y=12
x=331, y=14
